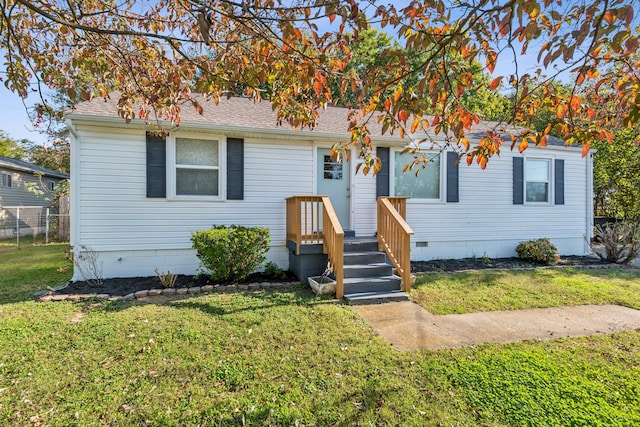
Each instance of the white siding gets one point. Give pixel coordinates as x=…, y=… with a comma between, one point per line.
x=134, y=234
x=486, y=222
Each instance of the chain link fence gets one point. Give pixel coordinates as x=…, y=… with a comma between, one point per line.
x=32, y=224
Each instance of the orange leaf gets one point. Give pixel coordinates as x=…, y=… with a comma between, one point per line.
x=317, y=87
x=332, y=17
x=609, y=17
x=495, y=83
x=403, y=116
x=492, y=57
x=585, y=149
x=482, y=160
x=580, y=79
x=523, y=145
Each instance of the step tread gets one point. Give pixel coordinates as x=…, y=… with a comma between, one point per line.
x=376, y=297
x=381, y=279
x=370, y=265
x=362, y=253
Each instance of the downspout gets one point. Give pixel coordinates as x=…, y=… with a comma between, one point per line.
x=589, y=204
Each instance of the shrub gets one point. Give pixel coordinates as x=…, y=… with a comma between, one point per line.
x=539, y=250
x=230, y=254
x=619, y=242
x=272, y=271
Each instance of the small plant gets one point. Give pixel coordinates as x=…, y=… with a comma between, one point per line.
x=89, y=266
x=231, y=253
x=539, y=250
x=485, y=259
x=168, y=279
x=619, y=242
x=272, y=271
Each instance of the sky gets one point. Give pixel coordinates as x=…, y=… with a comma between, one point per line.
x=14, y=119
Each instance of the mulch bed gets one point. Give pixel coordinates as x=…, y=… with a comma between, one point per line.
x=129, y=285
x=453, y=265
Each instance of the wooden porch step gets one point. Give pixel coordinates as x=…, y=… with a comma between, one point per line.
x=376, y=269
x=375, y=297
x=355, y=285
x=355, y=258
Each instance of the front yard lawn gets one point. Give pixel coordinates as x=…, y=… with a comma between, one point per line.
x=288, y=358
x=32, y=268
x=446, y=293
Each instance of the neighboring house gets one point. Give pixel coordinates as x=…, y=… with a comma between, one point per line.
x=20, y=209
x=136, y=198
x=14, y=174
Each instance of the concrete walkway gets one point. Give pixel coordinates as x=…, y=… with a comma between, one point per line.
x=407, y=326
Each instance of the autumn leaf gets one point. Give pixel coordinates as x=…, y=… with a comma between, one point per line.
x=495, y=82
x=492, y=58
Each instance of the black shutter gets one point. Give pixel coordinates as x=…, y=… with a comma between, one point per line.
x=518, y=177
x=452, y=177
x=156, y=166
x=235, y=169
x=382, y=178
x=559, y=181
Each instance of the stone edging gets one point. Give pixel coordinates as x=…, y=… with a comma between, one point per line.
x=49, y=295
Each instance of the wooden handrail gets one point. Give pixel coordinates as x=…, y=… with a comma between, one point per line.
x=394, y=236
x=400, y=204
x=312, y=220
x=333, y=243
x=304, y=214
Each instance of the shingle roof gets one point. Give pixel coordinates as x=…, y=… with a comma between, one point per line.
x=239, y=112
x=19, y=165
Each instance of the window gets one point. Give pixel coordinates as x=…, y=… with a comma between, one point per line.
x=52, y=185
x=332, y=169
x=426, y=185
x=537, y=178
x=197, y=167
x=5, y=180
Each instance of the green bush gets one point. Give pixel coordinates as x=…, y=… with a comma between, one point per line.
x=230, y=254
x=272, y=271
x=539, y=250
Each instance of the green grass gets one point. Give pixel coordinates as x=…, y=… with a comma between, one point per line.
x=32, y=268
x=442, y=293
x=289, y=359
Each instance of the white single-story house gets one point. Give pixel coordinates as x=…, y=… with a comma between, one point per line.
x=136, y=198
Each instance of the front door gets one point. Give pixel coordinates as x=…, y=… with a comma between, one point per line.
x=333, y=181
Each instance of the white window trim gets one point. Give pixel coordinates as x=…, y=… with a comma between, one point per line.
x=550, y=181
x=172, y=167
x=443, y=177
